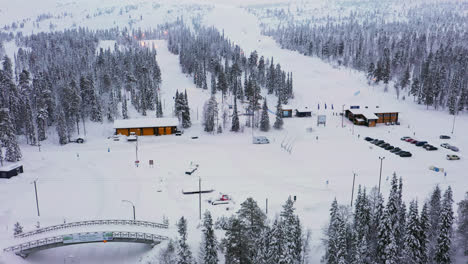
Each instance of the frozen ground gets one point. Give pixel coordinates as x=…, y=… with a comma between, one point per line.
x=92, y=185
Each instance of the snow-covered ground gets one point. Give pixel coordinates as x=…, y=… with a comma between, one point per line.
x=89, y=181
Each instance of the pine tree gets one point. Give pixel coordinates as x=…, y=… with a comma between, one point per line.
x=124, y=108
x=186, y=123
x=331, y=253
x=168, y=255
x=209, y=246
x=462, y=223
x=412, y=248
x=435, y=209
x=444, y=240
x=210, y=113
x=8, y=137
x=236, y=246
x=235, y=117
x=61, y=127
x=276, y=242
x=279, y=115
x=18, y=229
x=423, y=237
x=370, y=71
x=265, y=121
x=183, y=250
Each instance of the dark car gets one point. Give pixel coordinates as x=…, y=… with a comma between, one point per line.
x=414, y=141
x=399, y=152
x=390, y=147
x=405, y=154
x=405, y=138
x=429, y=147
x=374, y=141
x=395, y=150
x=421, y=143
x=384, y=145
x=380, y=143
x=444, y=137
x=368, y=139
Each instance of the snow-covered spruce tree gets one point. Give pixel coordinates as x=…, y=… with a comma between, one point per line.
x=462, y=224
x=412, y=248
x=444, y=240
x=292, y=243
x=186, y=123
x=208, y=250
x=61, y=127
x=235, y=118
x=331, y=252
x=159, y=110
x=435, y=209
x=184, y=255
x=168, y=254
x=279, y=115
x=253, y=221
x=265, y=121
x=1, y=155
x=124, y=107
x=276, y=242
x=236, y=246
x=8, y=137
x=361, y=226
x=423, y=237
x=18, y=229
x=210, y=114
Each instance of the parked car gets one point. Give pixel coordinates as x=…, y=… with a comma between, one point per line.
x=410, y=140
x=368, y=139
x=405, y=154
x=421, y=143
x=390, y=147
x=445, y=145
x=429, y=147
x=132, y=137
x=414, y=141
x=452, y=157
x=384, y=145
x=454, y=148
x=179, y=133
x=399, y=152
x=444, y=137
x=374, y=141
x=395, y=150
x=405, y=138
x=78, y=139
x=116, y=137
x=260, y=140
x=380, y=143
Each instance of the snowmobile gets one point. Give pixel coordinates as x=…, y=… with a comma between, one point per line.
x=221, y=199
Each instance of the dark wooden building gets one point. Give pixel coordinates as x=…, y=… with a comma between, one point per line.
x=11, y=170
x=303, y=112
x=371, y=117
x=146, y=126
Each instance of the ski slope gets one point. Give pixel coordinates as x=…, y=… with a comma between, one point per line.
x=89, y=181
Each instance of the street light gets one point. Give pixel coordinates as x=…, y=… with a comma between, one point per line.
x=37, y=200
x=380, y=177
x=342, y=117
x=453, y=126
x=352, y=191
x=127, y=201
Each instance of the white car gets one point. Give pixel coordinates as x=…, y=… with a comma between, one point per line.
x=132, y=137
x=453, y=157
x=116, y=137
x=260, y=140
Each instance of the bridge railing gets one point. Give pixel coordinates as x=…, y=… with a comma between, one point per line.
x=59, y=239
x=89, y=223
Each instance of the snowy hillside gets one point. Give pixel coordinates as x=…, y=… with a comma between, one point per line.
x=89, y=181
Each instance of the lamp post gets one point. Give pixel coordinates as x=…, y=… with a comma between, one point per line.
x=352, y=191
x=127, y=201
x=453, y=126
x=37, y=200
x=342, y=116
x=380, y=177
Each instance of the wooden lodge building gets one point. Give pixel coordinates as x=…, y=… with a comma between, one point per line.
x=371, y=117
x=146, y=126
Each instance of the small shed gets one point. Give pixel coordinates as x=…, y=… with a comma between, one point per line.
x=287, y=111
x=11, y=170
x=146, y=126
x=304, y=112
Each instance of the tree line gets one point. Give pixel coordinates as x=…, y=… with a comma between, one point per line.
x=60, y=79
x=423, y=51
x=375, y=232
x=249, y=237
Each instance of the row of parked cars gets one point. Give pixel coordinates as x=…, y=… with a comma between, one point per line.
x=419, y=143
x=427, y=146
x=395, y=150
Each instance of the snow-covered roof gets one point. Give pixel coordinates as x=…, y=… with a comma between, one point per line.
x=10, y=167
x=304, y=109
x=368, y=114
x=146, y=122
x=286, y=107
